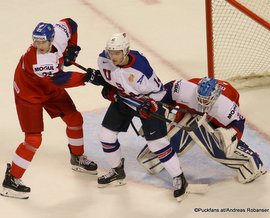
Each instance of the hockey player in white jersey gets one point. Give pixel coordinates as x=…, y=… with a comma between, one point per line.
x=137, y=86
x=220, y=137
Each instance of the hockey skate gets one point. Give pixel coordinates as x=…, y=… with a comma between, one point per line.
x=115, y=176
x=13, y=187
x=80, y=163
x=180, y=185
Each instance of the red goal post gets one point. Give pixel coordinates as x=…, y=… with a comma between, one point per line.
x=238, y=41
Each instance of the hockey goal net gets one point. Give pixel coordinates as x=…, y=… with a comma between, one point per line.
x=238, y=41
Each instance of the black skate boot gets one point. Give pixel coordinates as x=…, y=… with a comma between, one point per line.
x=115, y=176
x=80, y=163
x=13, y=187
x=180, y=185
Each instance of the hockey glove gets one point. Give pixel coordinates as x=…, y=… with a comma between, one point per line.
x=109, y=92
x=148, y=107
x=94, y=77
x=71, y=54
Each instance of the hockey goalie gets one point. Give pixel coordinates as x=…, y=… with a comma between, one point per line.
x=219, y=136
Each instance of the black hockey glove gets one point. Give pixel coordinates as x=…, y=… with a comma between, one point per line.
x=94, y=76
x=71, y=54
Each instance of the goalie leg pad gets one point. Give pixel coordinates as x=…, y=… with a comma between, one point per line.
x=148, y=160
x=164, y=151
x=180, y=142
x=253, y=168
x=234, y=154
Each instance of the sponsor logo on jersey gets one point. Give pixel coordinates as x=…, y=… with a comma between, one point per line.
x=63, y=27
x=232, y=112
x=45, y=70
x=177, y=87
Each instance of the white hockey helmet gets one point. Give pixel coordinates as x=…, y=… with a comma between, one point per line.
x=118, y=41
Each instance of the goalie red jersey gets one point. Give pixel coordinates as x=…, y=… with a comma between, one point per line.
x=224, y=112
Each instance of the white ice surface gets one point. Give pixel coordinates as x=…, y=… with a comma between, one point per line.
x=172, y=35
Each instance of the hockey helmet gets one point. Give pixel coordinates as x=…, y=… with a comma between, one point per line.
x=118, y=41
x=208, y=91
x=43, y=32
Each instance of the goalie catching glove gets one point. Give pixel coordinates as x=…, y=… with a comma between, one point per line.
x=148, y=107
x=71, y=54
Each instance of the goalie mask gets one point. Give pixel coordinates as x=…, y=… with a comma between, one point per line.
x=118, y=41
x=208, y=91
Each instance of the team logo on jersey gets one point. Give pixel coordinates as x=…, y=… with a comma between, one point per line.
x=131, y=78
x=44, y=70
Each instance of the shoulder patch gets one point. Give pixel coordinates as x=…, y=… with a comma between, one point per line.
x=131, y=78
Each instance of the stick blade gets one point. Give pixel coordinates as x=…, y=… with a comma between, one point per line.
x=197, y=188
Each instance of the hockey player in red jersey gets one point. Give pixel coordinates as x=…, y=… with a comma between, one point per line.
x=220, y=137
x=40, y=82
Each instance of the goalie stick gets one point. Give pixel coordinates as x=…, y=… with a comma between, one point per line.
x=170, y=107
x=190, y=128
x=197, y=188
x=193, y=189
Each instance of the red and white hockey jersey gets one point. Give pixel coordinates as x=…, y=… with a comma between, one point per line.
x=224, y=112
x=39, y=76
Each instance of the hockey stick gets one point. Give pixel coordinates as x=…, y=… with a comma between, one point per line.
x=170, y=107
x=78, y=65
x=134, y=128
x=190, y=128
x=134, y=103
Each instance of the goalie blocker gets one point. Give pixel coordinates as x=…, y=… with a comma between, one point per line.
x=220, y=144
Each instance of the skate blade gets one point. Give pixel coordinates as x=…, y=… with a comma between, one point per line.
x=197, y=188
x=113, y=183
x=6, y=192
x=182, y=197
x=82, y=170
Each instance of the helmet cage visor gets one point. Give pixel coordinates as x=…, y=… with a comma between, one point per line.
x=208, y=91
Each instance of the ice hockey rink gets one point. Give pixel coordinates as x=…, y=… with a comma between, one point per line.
x=171, y=34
